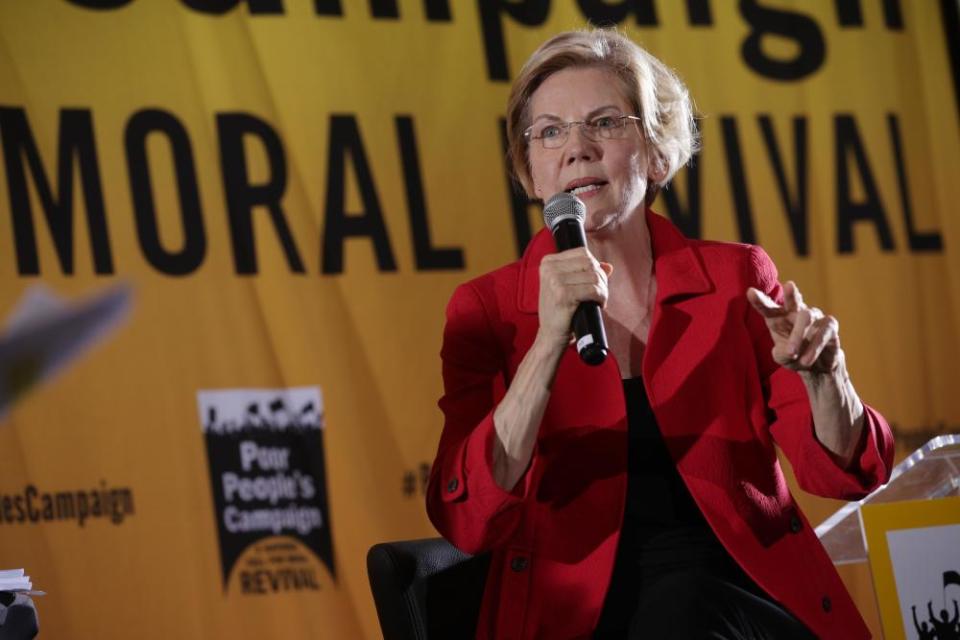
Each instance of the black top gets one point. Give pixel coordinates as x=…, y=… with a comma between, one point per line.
x=664, y=524
x=663, y=529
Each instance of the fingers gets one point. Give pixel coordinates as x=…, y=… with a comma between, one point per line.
x=591, y=292
x=571, y=260
x=764, y=304
x=792, y=298
x=579, y=259
x=568, y=295
x=576, y=263
x=812, y=343
x=803, y=337
x=823, y=340
x=569, y=278
x=575, y=266
x=801, y=322
x=579, y=277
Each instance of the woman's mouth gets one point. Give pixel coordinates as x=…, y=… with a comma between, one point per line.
x=587, y=190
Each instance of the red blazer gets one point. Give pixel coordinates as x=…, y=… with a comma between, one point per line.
x=720, y=402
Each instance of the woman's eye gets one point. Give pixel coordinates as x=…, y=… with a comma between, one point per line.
x=604, y=122
x=550, y=131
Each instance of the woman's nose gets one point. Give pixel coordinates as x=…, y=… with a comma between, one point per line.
x=580, y=147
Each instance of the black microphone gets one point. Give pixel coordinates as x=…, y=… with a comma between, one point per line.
x=564, y=214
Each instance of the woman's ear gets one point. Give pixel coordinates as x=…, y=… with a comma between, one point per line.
x=657, y=172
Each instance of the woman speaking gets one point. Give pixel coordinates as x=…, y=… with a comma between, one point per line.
x=641, y=498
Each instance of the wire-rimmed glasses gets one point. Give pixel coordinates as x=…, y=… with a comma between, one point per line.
x=553, y=135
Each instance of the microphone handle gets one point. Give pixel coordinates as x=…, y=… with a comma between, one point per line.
x=591, y=336
x=587, y=322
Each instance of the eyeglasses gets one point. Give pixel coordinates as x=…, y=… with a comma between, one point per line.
x=553, y=135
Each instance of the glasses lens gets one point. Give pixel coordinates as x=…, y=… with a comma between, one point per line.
x=553, y=135
x=608, y=126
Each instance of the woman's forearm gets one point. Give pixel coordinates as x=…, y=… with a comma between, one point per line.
x=838, y=414
x=517, y=417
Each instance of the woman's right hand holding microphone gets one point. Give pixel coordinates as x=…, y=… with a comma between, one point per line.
x=567, y=279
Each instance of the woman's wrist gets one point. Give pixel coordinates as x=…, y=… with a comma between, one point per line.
x=838, y=413
x=549, y=342
x=834, y=384
x=838, y=376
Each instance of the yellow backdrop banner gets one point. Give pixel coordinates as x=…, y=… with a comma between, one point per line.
x=294, y=188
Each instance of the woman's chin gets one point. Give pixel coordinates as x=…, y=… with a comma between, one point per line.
x=600, y=222
x=609, y=219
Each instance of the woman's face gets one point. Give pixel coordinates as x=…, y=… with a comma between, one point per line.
x=614, y=171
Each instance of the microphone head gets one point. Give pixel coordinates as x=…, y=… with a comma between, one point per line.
x=563, y=206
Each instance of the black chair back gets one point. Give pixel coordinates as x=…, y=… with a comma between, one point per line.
x=426, y=589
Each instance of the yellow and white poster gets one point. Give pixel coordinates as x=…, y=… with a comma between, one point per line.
x=915, y=562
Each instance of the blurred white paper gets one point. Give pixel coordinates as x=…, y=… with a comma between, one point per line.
x=44, y=332
x=17, y=580
x=14, y=580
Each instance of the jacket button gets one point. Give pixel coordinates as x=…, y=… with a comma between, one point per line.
x=795, y=524
x=519, y=563
x=825, y=603
x=452, y=485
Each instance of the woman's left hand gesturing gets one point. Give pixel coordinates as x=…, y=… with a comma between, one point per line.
x=804, y=339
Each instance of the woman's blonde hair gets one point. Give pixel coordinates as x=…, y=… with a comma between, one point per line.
x=655, y=92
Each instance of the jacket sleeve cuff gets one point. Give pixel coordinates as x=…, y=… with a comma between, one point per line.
x=469, y=474
x=869, y=468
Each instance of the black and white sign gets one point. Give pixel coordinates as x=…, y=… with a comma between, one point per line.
x=267, y=472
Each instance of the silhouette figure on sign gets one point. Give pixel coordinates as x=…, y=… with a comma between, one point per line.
x=253, y=419
x=307, y=415
x=281, y=416
x=924, y=632
x=945, y=627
